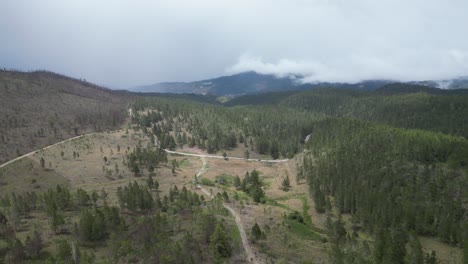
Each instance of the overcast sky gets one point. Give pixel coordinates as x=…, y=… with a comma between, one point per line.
x=123, y=43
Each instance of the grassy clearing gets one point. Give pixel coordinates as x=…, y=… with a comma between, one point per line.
x=184, y=163
x=303, y=231
x=273, y=202
x=225, y=180
x=207, y=182
x=26, y=175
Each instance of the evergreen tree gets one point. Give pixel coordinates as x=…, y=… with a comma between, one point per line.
x=17, y=252
x=34, y=245
x=150, y=182
x=225, y=196
x=57, y=220
x=237, y=182
x=246, y=154
x=64, y=252
x=416, y=254
x=286, y=184
x=256, y=232
x=219, y=242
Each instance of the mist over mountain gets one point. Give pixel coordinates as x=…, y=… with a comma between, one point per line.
x=249, y=83
x=252, y=83
x=456, y=83
x=247, y=131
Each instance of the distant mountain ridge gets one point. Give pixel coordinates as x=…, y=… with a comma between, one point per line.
x=243, y=83
x=252, y=83
x=456, y=83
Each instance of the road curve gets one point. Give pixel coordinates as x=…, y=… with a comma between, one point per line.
x=221, y=157
x=44, y=148
x=245, y=242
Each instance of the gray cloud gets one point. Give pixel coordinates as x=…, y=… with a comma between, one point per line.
x=125, y=43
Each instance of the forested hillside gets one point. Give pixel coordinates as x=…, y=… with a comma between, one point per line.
x=400, y=105
x=41, y=108
x=445, y=112
x=267, y=130
x=386, y=169
x=396, y=184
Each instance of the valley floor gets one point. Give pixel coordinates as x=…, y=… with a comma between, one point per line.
x=96, y=162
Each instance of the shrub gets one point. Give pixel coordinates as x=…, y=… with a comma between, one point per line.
x=207, y=182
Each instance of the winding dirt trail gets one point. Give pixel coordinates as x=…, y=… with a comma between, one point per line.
x=245, y=242
x=221, y=157
x=44, y=148
x=55, y=144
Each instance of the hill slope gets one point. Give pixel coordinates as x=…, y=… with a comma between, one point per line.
x=41, y=108
x=400, y=105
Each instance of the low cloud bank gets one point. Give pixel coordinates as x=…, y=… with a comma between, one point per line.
x=355, y=68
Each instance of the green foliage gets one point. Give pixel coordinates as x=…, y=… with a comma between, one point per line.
x=285, y=185
x=150, y=182
x=431, y=258
x=256, y=232
x=434, y=110
x=214, y=128
x=148, y=157
x=225, y=179
x=181, y=227
x=60, y=199
x=92, y=225
x=251, y=185
x=296, y=216
x=391, y=181
x=82, y=197
x=33, y=245
x=416, y=254
x=399, y=177
x=465, y=245
x=237, y=182
x=302, y=230
x=64, y=251
x=135, y=197
x=207, y=182
x=225, y=196
x=219, y=242
x=17, y=251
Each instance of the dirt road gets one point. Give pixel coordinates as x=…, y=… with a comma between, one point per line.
x=245, y=242
x=44, y=148
x=221, y=157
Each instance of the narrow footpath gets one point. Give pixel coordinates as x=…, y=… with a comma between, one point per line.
x=245, y=242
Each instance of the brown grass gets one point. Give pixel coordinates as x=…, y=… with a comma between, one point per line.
x=87, y=172
x=445, y=253
x=281, y=243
